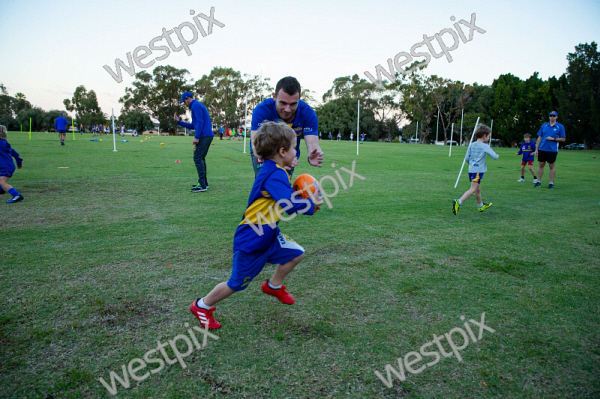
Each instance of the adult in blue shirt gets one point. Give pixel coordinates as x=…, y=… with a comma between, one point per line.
x=286, y=106
x=60, y=124
x=202, y=139
x=549, y=135
x=221, y=133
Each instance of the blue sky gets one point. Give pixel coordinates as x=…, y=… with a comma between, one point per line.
x=49, y=48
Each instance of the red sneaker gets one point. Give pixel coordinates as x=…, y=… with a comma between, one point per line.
x=204, y=315
x=281, y=294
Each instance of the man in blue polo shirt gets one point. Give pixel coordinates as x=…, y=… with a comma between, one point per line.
x=549, y=135
x=60, y=124
x=202, y=139
x=286, y=106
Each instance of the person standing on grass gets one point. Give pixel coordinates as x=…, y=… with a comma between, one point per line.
x=286, y=106
x=60, y=124
x=253, y=247
x=339, y=137
x=527, y=148
x=7, y=167
x=202, y=139
x=476, y=154
x=549, y=135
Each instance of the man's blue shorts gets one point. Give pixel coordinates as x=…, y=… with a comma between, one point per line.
x=6, y=173
x=476, y=177
x=247, y=266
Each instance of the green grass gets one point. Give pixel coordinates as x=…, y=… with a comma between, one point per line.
x=85, y=283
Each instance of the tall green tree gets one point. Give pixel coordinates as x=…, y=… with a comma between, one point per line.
x=6, y=109
x=223, y=93
x=579, y=95
x=135, y=119
x=340, y=115
x=85, y=105
x=450, y=99
x=418, y=103
x=379, y=106
x=158, y=95
x=505, y=111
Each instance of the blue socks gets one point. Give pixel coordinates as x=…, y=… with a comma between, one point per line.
x=13, y=192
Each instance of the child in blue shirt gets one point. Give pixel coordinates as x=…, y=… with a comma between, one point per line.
x=476, y=154
x=257, y=239
x=527, y=148
x=7, y=167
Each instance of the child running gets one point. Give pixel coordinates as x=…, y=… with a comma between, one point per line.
x=476, y=154
x=527, y=148
x=7, y=167
x=257, y=239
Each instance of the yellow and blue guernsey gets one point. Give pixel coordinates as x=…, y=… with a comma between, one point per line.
x=271, y=193
x=527, y=149
x=7, y=166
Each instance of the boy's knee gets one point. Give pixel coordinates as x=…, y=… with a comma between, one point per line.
x=235, y=285
x=298, y=258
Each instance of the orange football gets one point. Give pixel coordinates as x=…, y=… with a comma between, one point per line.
x=306, y=182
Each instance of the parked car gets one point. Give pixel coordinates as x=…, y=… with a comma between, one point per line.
x=574, y=146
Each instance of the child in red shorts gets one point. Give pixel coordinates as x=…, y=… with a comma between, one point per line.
x=527, y=148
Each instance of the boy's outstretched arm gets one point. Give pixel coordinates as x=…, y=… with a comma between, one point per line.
x=491, y=152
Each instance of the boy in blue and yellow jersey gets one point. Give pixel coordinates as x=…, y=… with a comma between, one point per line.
x=476, y=154
x=257, y=240
x=7, y=167
x=527, y=148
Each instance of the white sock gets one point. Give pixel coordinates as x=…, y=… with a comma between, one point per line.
x=480, y=205
x=273, y=287
x=459, y=202
x=202, y=305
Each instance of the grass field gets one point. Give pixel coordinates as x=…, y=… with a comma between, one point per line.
x=86, y=284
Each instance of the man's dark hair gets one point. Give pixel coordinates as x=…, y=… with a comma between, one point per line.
x=290, y=85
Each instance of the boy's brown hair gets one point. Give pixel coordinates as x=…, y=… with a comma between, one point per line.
x=527, y=135
x=2, y=132
x=270, y=137
x=481, y=131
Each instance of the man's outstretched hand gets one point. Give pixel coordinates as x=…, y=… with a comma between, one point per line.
x=315, y=158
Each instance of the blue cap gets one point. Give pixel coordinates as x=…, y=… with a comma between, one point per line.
x=553, y=113
x=185, y=95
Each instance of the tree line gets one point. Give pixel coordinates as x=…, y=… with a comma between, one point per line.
x=516, y=106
